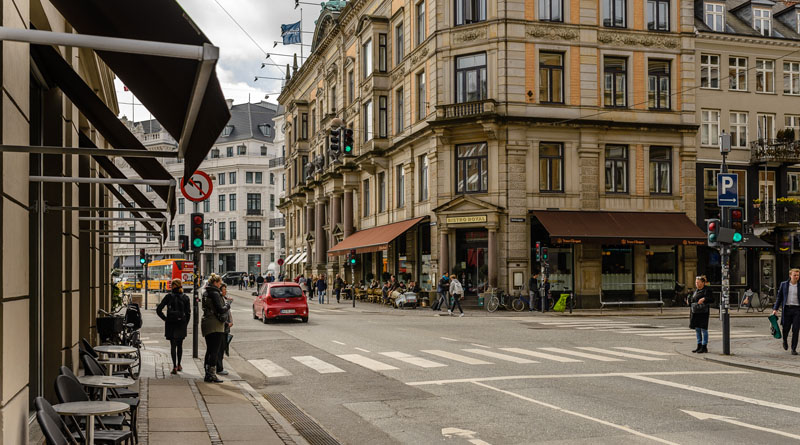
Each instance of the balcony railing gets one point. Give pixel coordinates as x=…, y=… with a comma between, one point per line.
x=255, y=242
x=223, y=243
x=778, y=213
x=775, y=150
x=277, y=162
x=465, y=109
x=255, y=212
x=277, y=222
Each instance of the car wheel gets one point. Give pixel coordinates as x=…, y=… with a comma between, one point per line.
x=255, y=315
x=264, y=316
x=305, y=319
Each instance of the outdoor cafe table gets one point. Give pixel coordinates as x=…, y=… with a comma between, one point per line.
x=115, y=349
x=90, y=410
x=104, y=382
x=111, y=362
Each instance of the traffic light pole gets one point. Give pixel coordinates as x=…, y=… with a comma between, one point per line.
x=353, y=277
x=195, y=307
x=724, y=304
x=146, y=283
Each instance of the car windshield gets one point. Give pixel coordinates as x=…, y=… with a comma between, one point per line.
x=285, y=292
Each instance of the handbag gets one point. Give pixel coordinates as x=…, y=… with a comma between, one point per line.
x=698, y=308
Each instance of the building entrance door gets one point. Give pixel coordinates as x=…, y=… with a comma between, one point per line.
x=472, y=256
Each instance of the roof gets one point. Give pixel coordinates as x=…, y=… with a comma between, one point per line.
x=374, y=239
x=737, y=18
x=577, y=227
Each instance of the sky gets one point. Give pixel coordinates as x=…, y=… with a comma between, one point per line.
x=240, y=58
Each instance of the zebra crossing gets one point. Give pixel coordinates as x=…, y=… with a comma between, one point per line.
x=437, y=358
x=641, y=329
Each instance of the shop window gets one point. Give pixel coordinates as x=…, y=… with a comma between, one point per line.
x=560, y=260
x=794, y=183
x=617, y=269
x=472, y=169
x=617, y=169
x=661, y=263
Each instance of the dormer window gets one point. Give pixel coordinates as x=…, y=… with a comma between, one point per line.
x=762, y=21
x=227, y=130
x=797, y=20
x=265, y=129
x=715, y=16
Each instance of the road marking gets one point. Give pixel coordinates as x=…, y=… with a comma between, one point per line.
x=573, y=413
x=622, y=354
x=717, y=336
x=418, y=361
x=712, y=392
x=339, y=343
x=643, y=351
x=583, y=355
x=706, y=416
x=480, y=346
x=571, y=376
x=361, y=349
x=680, y=332
x=466, y=434
x=499, y=356
x=269, y=368
x=366, y=362
x=448, y=338
x=457, y=357
x=317, y=364
x=149, y=342
x=542, y=355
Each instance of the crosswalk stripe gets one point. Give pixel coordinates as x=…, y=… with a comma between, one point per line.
x=317, y=364
x=643, y=351
x=623, y=354
x=418, y=361
x=366, y=362
x=691, y=336
x=499, y=356
x=660, y=333
x=542, y=355
x=583, y=355
x=361, y=349
x=269, y=369
x=456, y=357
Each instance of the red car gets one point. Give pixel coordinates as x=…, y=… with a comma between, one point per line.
x=280, y=300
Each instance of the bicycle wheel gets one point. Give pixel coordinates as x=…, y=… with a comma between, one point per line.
x=493, y=304
x=763, y=302
x=518, y=304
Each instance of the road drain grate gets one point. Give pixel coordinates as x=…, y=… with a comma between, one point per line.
x=305, y=425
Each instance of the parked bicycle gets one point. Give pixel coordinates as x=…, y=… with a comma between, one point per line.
x=766, y=299
x=680, y=296
x=118, y=329
x=497, y=298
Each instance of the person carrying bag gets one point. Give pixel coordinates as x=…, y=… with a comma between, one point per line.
x=215, y=315
x=175, y=322
x=700, y=302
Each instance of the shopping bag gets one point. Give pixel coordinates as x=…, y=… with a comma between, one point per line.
x=774, y=329
x=561, y=304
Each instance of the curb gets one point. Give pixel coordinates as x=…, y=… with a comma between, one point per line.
x=282, y=427
x=733, y=364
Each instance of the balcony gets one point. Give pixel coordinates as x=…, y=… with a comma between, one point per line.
x=775, y=150
x=277, y=222
x=255, y=212
x=277, y=162
x=255, y=242
x=780, y=213
x=466, y=109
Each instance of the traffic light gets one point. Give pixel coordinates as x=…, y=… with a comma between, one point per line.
x=335, y=141
x=737, y=223
x=538, y=251
x=712, y=232
x=183, y=242
x=352, y=258
x=349, y=144
x=544, y=254
x=142, y=257
x=197, y=227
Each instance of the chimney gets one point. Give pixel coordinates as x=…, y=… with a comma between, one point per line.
x=229, y=102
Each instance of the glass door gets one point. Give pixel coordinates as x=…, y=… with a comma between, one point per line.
x=472, y=256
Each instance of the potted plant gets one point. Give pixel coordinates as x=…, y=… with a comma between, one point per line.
x=756, y=203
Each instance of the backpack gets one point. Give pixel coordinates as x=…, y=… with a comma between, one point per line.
x=174, y=310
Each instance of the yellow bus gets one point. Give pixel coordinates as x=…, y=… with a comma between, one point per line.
x=161, y=272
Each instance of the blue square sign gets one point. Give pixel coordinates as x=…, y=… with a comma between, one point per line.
x=727, y=189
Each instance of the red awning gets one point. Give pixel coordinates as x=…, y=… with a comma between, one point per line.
x=374, y=239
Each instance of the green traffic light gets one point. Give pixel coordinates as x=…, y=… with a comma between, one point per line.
x=348, y=149
x=197, y=242
x=713, y=237
x=737, y=237
x=141, y=260
x=353, y=261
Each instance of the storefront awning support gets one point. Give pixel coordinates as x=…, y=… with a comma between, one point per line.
x=104, y=218
x=62, y=179
x=103, y=209
x=53, y=150
x=209, y=59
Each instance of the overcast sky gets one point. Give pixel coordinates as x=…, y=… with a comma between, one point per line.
x=240, y=58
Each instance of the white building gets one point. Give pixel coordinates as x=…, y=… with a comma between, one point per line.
x=241, y=215
x=277, y=225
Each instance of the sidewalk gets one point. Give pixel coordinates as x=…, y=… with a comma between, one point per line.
x=764, y=354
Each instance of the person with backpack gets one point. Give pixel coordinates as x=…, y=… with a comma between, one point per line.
x=175, y=322
x=215, y=314
x=457, y=292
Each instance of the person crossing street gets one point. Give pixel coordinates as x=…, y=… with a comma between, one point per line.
x=789, y=304
x=457, y=292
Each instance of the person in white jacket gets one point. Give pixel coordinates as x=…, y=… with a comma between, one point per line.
x=457, y=292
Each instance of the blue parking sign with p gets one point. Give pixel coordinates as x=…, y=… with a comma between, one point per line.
x=727, y=189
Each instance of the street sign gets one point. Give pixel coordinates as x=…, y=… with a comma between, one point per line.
x=198, y=187
x=727, y=189
x=258, y=264
x=280, y=261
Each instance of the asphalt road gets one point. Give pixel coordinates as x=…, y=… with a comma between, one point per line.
x=373, y=375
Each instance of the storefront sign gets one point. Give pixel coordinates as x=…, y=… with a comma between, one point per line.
x=632, y=241
x=466, y=219
x=688, y=242
x=568, y=241
x=522, y=220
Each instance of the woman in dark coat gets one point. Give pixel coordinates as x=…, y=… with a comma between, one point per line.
x=215, y=313
x=175, y=322
x=698, y=320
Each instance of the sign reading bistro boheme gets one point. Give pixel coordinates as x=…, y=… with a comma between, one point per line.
x=466, y=219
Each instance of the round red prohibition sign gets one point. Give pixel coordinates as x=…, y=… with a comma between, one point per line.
x=198, y=187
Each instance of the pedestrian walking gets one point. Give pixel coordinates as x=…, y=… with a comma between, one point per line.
x=321, y=287
x=252, y=280
x=246, y=280
x=700, y=302
x=533, y=291
x=789, y=304
x=338, y=285
x=442, y=288
x=215, y=310
x=175, y=322
x=241, y=282
x=228, y=323
x=259, y=282
x=457, y=292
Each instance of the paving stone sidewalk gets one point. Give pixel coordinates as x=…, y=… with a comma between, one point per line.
x=763, y=354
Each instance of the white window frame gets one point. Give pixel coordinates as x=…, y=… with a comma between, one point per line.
x=715, y=16
x=366, y=57
x=737, y=70
x=764, y=68
x=369, y=124
x=792, y=121
x=709, y=64
x=770, y=125
x=791, y=78
x=738, y=121
x=709, y=128
x=762, y=21
x=793, y=182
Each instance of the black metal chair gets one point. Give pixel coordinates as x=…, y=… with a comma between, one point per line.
x=87, y=348
x=50, y=429
x=105, y=437
x=69, y=389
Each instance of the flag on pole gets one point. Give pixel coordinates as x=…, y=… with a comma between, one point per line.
x=291, y=33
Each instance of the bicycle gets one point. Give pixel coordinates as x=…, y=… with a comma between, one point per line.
x=496, y=301
x=117, y=329
x=766, y=299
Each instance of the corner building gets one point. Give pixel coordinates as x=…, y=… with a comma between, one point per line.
x=484, y=126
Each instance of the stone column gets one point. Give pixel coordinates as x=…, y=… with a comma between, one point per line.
x=309, y=228
x=444, y=252
x=493, y=256
x=336, y=210
x=320, y=249
x=348, y=213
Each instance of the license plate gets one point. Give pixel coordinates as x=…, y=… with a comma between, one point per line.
x=287, y=311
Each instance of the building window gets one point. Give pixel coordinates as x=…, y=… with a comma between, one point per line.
x=254, y=230
x=233, y=230
x=551, y=78
x=172, y=233
x=215, y=153
x=271, y=203
x=709, y=71
x=617, y=169
x=332, y=99
x=766, y=126
x=762, y=21
x=399, y=110
x=791, y=78
x=470, y=11
x=227, y=130
x=709, y=128
x=248, y=177
x=207, y=230
x=351, y=86
x=206, y=206
x=232, y=178
x=259, y=177
x=221, y=179
x=765, y=76
x=132, y=238
x=614, y=13
x=738, y=129
x=400, y=174
x=272, y=179
x=221, y=203
x=229, y=152
x=420, y=22
x=551, y=166
x=304, y=126
x=792, y=121
x=383, y=52
x=263, y=150
x=148, y=188
x=222, y=231
x=658, y=84
x=737, y=73
x=383, y=116
x=660, y=170
x=232, y=202
x=313, y=122
x=794, y=183
x=254, y=201
x=121, y=214
x=366, y=57
x=181, y=206
x=551, y=10
x=368, y=117
x=241, y=150
x=422, y=99
x=423, y=178
x=472, y=168
x=471, y=78
x=195, y=207
x=365, y=194
x=658, y=15
x=181, y=229
x=265, y=129
x=399, y=44
x=715, y=16
x=381, y=192
x=616, y=82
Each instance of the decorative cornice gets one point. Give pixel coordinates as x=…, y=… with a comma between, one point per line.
x=398, y=73
x=419, y=55
x=738, y=38
x=552, y=32
x=617, y=38
x=469, y=35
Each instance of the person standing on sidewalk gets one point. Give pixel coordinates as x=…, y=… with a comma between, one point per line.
x=321, y=287
x=457, y=292
x=215, y=312
x=175, y=322
x=245, y=280
x=700, y=301
x=259, y=282
x=789, y=303
x=533, y=291
x=227, y=326
x=441, y=289
x=338, y=285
